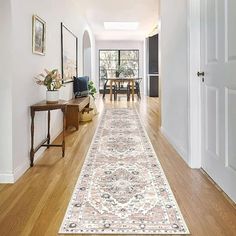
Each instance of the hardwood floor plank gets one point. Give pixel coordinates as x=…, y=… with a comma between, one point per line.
x=36, y=204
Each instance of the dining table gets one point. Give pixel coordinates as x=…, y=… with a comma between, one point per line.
x=128, y=80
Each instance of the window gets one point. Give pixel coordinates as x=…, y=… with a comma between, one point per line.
x=111, y=60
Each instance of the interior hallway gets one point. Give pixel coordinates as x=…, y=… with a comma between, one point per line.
x=36, y=204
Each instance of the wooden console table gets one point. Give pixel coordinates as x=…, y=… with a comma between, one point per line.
x=43, y=106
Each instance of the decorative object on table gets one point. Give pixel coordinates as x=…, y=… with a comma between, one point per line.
x=124, y=72
x=119, y=71
x=122, y=188
x=52, y=80
x=80, y=86
x=86, y=114
x=69, y=54
x=38, y=35
x=128, y=72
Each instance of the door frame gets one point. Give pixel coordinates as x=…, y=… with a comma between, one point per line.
x=194, y=96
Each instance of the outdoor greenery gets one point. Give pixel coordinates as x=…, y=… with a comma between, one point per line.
x=115, y=63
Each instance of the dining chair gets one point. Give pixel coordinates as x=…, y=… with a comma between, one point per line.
x=121, y=87
x=136, y=88
x=106, y=87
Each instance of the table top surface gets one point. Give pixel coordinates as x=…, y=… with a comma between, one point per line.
x=78, y=100
x=122, y=78
x=44, y=104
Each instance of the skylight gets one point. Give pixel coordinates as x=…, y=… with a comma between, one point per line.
x=121, y=25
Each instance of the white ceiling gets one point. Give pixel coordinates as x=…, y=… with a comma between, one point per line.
x=143, y=11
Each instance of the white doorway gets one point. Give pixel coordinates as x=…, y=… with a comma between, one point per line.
x=87, y=55
x=211, y=104
x=218, y=92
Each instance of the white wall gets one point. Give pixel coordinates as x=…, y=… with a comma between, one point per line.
x=104, y=44
x=5, y=92
x=174, y=73
x=92, y=50
x=87, y=62
x=26, y=65
x=194, y=84
x=87, y=55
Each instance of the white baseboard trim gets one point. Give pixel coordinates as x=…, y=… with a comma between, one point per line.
x=10, y=178
x=18, y=172
x=181, y=151
x=6, y=178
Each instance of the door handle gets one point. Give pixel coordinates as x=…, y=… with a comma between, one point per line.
x=199, y=74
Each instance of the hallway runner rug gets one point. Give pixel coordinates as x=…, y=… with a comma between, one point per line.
x=122, y=188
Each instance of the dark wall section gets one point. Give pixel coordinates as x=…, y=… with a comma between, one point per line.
x=153, y=66
x=153, y=54
x=154, y=86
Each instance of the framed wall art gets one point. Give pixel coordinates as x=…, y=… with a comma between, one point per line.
x=38, y=35
x=69, y=54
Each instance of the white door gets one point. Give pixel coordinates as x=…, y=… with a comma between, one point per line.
x=218, y=62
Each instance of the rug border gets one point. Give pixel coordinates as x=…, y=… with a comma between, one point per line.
x=161, y=168
x=80, y=175
x=162, y=171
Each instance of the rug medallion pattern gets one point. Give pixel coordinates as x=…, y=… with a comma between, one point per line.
x=122, y=188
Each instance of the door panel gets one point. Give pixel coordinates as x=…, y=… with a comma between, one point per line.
x=230, y=36
x=211, y=31
x=212, y=123
x=230, y=133
x=218, y=61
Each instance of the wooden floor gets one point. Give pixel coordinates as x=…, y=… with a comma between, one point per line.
x=36, y=204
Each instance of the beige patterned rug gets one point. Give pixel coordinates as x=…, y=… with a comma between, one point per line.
x=122, y=188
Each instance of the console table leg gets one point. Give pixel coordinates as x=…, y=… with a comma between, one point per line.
x=63, y=132
x=32, y=139
x=48, y=136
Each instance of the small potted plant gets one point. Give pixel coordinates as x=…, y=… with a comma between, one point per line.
x=92, y=89
x=53, y=82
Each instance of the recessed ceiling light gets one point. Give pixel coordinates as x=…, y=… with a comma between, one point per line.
x=121, y=25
